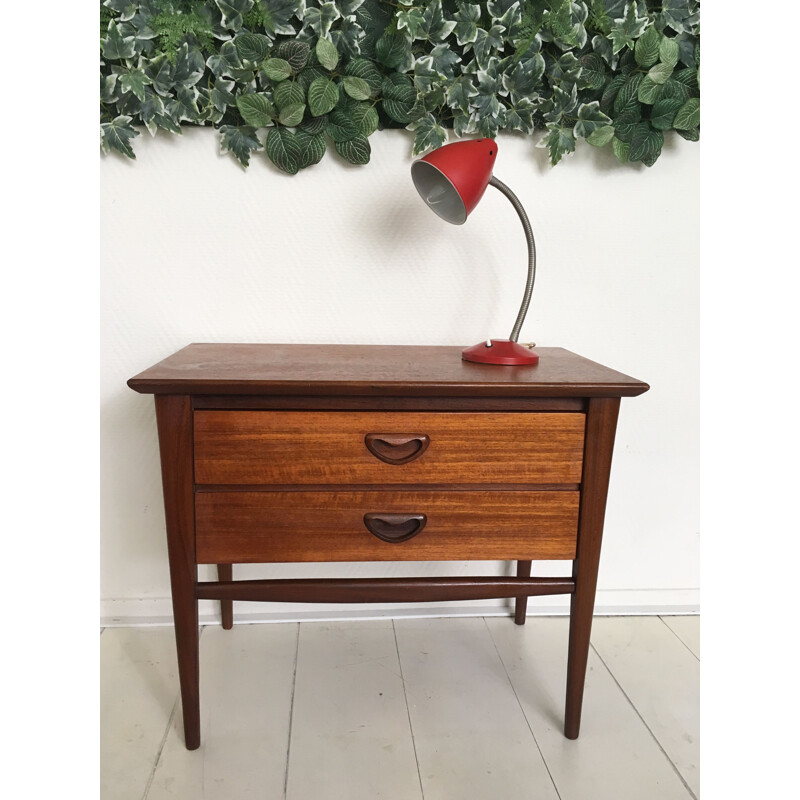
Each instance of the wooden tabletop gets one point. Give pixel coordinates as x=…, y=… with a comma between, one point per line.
x=375, y=370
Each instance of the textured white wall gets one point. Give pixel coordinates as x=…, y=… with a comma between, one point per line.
x=195, y=249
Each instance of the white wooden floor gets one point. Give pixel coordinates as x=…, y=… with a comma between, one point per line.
x=407, y=709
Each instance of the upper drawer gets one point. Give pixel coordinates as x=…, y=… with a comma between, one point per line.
x=341, y=447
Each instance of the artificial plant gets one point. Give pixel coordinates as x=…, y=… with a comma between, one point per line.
x=294, y=78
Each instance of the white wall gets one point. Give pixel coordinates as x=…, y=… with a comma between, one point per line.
x=195, y=249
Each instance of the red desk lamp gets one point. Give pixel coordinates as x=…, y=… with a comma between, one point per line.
x=452, y=180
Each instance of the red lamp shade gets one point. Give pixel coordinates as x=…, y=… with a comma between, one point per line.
x=452, y=179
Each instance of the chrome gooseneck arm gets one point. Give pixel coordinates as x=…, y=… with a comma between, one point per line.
x=526, y=299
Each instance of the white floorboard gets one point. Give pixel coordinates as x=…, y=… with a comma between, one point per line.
x=246, y=678
x=615, y=756
x=661, y=678
x=351, y=738
x=428, y=709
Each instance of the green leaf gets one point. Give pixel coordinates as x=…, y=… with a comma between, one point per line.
x=314, y=125
x=283, y=150
x=646, y=144
x=628, y=94
x=610, y=93
x=277, y=69
x=312, y=148
x=357, y=88
x=118, y=47
x=117, y=134
x=692, y=135
x=323, y=95
x=648, y=91
x=252, y=46
x=664, y=111
x=365, y=117
x=601, y=136
x=239, y=142
x=392, y=49
x=646, y=49
x=559, y=142
x=340, y=127
x=289, y=93
x=621, y=150
x=356, y=150
x=688, y=115
x=668, y=52
x=593, y=73
x=327, y=54
x=399, y=97
x=590, y=118
x=296, y=53
x=292, y=114
x=366, y=70
x=660, y=73
x=256, y=109
x=428, y=134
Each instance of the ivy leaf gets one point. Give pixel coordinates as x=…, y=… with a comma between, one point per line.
x=117, y=134
x=323, y=95
x=559, y=142
x=428, y=134
x=412, y=20
x=348, y=37
x=356, y=150
x=467, y=18
x=131, y=80
x=108, y=89
x=647, y=48
x=327, y=54
x=280, y=14
x=125, y=8
x=189, y=66
x=590, y=118
x=252, y=46
x=600, y=137
x=289, y=93
x=460, y=92
x=357, y=88
x=312, y=148
x=320, y=19
x=434, y=27
x=602, y=46
x=183, y=106
x=296, y=53
x=444, y=59
x=520, y=116
x=688, y=115
x=486, y=43
x=277, y=69
x=292, y=114
x=226, y=62
x=239, y=141
x=646, y=144
x=628, y=27
x=233, y=11
x=118, y=47
x=256, y=109
x=283, y=150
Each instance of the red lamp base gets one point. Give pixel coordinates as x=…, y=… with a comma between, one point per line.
x=500, y=351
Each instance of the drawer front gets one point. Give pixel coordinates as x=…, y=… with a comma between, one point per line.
x=240, y=527
x=288, y=447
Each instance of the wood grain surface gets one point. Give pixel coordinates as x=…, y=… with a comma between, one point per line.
x=285, y=447
x=238, y=527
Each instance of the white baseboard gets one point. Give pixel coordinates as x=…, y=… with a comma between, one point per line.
x=609, y=602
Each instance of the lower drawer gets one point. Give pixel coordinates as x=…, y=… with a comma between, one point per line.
x=239, y=527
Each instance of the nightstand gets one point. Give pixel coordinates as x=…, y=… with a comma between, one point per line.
x=325, y=453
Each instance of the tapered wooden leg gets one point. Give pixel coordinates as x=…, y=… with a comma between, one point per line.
x=521, y=603
x=174, y=417
x=601, y=424
x=225, y=573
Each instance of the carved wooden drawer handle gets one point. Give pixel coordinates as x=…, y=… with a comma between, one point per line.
x=397, y=448
x=395, y=527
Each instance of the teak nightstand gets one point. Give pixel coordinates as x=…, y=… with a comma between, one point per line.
x=293, y=453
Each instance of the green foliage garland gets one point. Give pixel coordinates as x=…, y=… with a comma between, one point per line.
x=295, y=77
